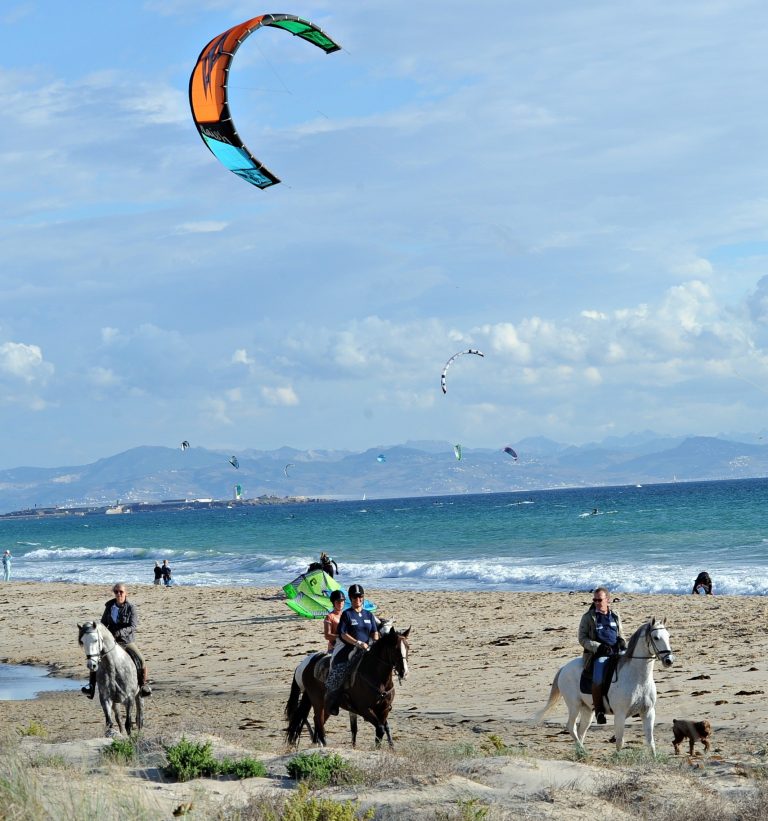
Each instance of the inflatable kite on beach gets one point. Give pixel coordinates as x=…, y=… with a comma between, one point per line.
x=209, y=94
x=309, y=595
x=448, y=365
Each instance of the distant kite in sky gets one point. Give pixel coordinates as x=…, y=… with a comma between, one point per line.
x=233, y=461
x=209, y=94
x=184, y=445
x=289, y=465
x=448, y=365
x=457, y=452
x=381, y=458
x=511, y=452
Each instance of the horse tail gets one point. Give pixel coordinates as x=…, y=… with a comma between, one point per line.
x=554, y=697
x=298, y=719
x=293, y=700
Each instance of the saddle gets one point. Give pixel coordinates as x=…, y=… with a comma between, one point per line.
x=609, y=668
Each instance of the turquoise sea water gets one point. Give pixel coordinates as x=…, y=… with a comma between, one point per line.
x=654, y=538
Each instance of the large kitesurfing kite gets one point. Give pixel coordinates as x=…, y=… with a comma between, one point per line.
x=448, y=365
x=208, y=93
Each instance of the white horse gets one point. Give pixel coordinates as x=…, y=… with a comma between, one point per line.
x=632, y=691
x=116, y=676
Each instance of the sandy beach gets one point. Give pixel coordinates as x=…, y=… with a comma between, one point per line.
x=222, y=660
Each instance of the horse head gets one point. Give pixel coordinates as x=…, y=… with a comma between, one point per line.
x=90, y=639
x=658, y=641
x=396, y=646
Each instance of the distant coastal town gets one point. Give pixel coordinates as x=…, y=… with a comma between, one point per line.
x=164, y=505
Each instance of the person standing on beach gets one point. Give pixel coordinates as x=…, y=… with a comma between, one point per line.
x=357, y=629
x=121, y=618
x=166, y=573
x=600, y=635
x=158, y=573
x=331, y=621
x=7, y=566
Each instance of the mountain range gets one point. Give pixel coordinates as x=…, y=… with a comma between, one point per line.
x=415, y=468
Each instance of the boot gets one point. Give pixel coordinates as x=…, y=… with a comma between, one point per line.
x=90, y=690
x=597, y=700
x=332, y=698
x=144, y=689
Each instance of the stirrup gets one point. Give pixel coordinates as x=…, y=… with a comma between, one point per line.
x=88, y=691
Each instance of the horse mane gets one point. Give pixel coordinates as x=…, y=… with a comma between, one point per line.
x=633, y=640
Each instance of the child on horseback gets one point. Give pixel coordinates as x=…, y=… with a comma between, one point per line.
x=601, y=636
x=121, y=618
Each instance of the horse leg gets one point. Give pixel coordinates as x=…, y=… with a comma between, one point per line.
x=570, y=725
x=139, y=712
x=107, y=707
x=353, y=728
x=586, y=714
x=648, y=720
x=379, y=735
x=320, y=718
x=389, y=735
x=128, y=716
x=619, y=723
x=116, y=714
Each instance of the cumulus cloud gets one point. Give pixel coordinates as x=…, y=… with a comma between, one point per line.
x=240, y=357
x=24, y=362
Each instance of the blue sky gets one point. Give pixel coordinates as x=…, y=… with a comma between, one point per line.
x=578, y=190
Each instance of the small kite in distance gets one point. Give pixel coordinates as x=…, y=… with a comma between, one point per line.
x=184, y=445
x=285, y=469
x=233, y=461
x=457, y=452
x=448, y=365
x=381, y=458
x=511, y=452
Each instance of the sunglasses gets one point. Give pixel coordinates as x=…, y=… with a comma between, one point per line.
x=119, y=592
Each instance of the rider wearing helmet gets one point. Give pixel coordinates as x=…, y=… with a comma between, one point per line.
x=357, y=628
x=331, y=621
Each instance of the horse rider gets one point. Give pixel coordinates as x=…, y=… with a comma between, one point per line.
x=331, y=621
x=601, y=636
x=357, y=629
x=121, y=618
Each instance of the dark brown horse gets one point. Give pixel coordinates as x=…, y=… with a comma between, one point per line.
x=369, y=695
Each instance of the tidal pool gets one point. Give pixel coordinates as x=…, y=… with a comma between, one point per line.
x=19, y=682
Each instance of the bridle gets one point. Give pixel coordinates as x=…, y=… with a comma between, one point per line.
x=400, y=662
x=100, y=651
x=663, y=655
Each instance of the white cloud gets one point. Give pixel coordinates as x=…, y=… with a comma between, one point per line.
x=240, y=357
x=201, y=227
x=282, y=396
x=24, y=362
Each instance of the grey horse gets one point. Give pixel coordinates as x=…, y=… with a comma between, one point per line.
x=115, y=676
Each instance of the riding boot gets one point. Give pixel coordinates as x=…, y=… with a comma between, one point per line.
x=597, y=700
x=145, y=689
x=332, y=698
x=90, y=690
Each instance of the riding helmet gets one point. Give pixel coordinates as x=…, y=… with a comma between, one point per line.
x=337, y=595
x=356, y=590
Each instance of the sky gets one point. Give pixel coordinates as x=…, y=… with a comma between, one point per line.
x=578, y=190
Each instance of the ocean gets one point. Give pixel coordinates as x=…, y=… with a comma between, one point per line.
x=652, y=539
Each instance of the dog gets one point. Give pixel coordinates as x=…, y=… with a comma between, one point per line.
x=693, y=731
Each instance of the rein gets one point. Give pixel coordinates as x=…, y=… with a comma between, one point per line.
x=657, y=654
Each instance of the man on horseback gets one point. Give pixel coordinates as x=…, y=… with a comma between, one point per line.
x=601, y=636
x=121, y=618
x=357, y=629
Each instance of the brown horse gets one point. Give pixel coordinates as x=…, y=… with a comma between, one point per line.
x=370, y=693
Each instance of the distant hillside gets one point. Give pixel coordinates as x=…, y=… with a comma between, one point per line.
x=151, y=474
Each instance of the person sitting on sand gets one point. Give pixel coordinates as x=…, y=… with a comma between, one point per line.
x=121, y=618
x=357, y=628
x=703, y=584
x=331, y=621
x=600, y=635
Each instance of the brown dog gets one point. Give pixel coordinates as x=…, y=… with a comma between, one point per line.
x=692, y=730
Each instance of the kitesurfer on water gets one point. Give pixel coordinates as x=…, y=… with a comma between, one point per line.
x=357, y=628
x=600, y=635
